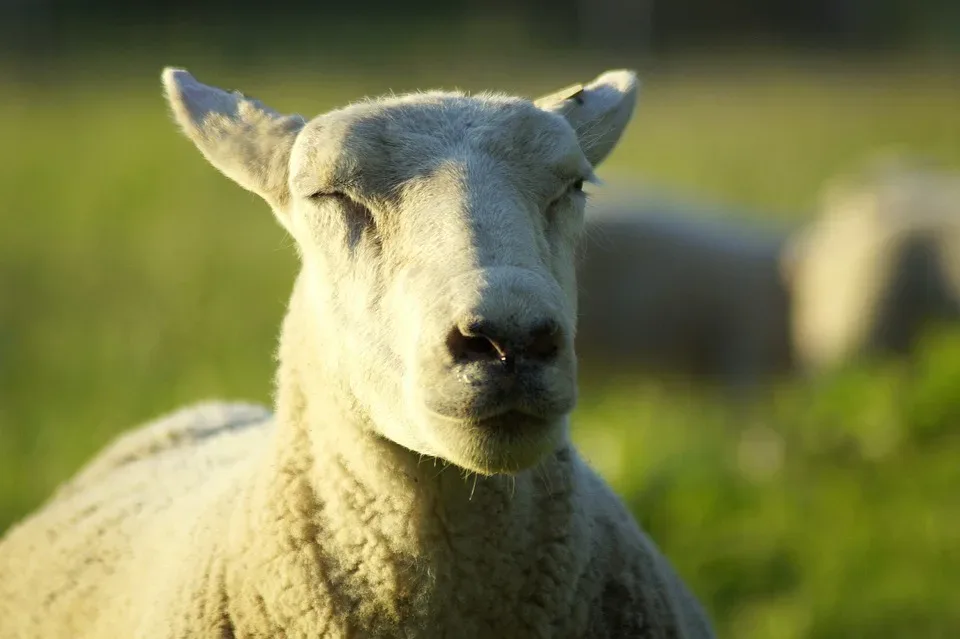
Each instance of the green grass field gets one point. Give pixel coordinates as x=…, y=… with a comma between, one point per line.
x=134, y=278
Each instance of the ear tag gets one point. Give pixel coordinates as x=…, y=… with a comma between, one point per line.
x=572, y=92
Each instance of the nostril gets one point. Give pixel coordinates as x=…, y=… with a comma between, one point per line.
x=472, y=343
x=480, y=341
x=544, y=341
x=480, y=345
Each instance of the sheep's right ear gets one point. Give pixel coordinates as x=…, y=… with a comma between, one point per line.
x=244, y=139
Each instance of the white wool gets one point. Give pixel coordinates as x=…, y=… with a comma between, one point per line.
x=417, y=477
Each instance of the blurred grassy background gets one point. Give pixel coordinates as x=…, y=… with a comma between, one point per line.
x=134, y=278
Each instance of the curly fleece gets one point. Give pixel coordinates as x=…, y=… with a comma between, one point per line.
x=226, y=521
x=210, y=523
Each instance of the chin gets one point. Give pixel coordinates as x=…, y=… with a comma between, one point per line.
x=507, y=443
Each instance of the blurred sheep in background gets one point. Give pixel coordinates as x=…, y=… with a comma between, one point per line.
x=879, y=264
x=669, y=287
x=673, y=286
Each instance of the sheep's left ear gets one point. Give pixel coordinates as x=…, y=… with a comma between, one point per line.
x=599, y=112
x=247, y=141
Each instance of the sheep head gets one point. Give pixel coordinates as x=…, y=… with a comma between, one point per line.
x=436, y=232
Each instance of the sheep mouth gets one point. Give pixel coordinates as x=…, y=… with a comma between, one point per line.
x=507, y=441
x=491, y=415
x=517, y=410
x=511, y=421
x=529, y=399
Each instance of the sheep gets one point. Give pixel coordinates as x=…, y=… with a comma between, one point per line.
x=667, y=287
x=878, y=264
x=416, y=477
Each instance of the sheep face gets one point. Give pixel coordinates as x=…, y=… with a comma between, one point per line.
x=436, y=233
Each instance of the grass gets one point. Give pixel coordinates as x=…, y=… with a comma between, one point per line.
x=134, y=278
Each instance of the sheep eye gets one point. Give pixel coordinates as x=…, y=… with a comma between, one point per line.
x=359, y=213
x=575, y=188
x=342, y=197
x=319, y=195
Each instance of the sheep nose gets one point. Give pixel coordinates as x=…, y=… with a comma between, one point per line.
x=479, y=341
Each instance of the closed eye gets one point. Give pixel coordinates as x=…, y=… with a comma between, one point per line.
x=360, y=215
x=338, y=195
x=574, y=188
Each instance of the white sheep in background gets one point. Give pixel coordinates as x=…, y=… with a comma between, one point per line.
x=879, y=264
x=668, y=286
x=417, y=478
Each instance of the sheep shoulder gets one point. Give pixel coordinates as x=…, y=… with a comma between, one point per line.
x=180, y=429
x=156, y=492
x=635, y=592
